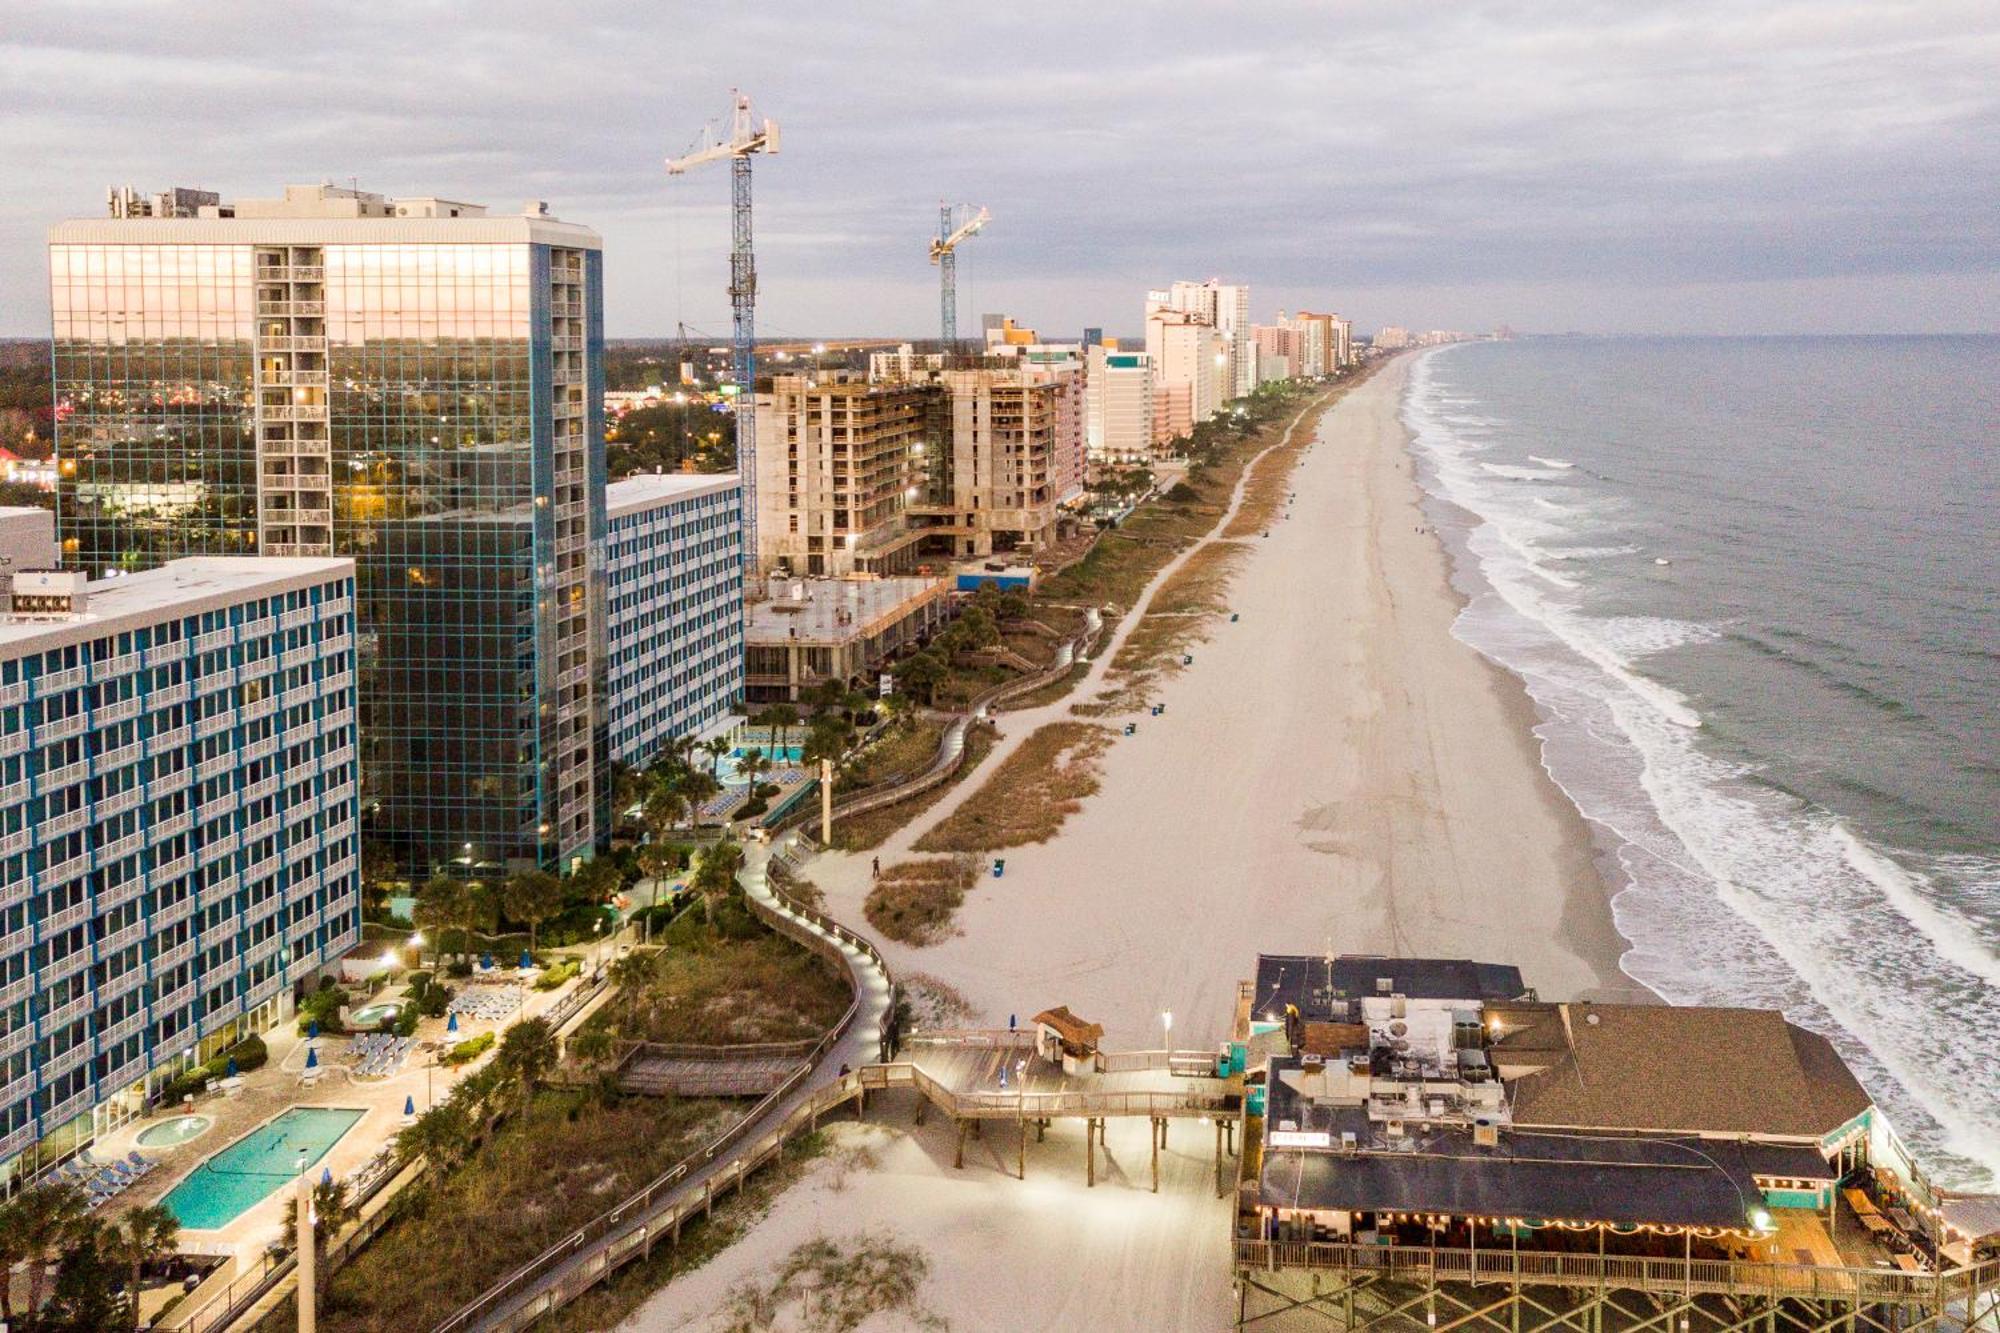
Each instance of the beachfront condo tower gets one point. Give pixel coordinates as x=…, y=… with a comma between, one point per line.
x=413, y=383
x=179, y=843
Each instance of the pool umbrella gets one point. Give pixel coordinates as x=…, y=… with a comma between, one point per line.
x=451, y=1024
x=526, y=961
x=312, y=1028
x=232, y=1068
x=312, y=1057
x=486, y=960
x=410, y=1105
x=326, y=1175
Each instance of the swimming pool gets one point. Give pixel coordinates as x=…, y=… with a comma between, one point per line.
x=370, y=1017
x=240, y=1176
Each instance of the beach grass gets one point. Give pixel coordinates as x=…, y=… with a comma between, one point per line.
x=914, y=902
x=871, y=828
x=1182, y=610
x=1029, y=796
x=720, y=990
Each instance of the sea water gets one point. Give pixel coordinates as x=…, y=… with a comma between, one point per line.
x=1754, y=587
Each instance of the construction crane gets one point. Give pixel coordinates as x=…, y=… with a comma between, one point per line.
x=944, y=253
x=746, y=135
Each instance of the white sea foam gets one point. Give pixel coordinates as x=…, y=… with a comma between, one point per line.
x=1954, y=936
x=1520, y=473
x=1561, y=463
x=1637, y=636
x=1586, y=552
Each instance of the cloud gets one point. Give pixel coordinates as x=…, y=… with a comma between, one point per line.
x=1366, y=157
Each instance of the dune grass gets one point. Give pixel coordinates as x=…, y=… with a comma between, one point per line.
x=1029, y=796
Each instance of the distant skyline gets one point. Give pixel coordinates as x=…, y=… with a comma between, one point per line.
x=1704, y=168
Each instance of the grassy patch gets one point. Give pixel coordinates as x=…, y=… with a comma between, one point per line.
x=722, y=991
x=837, y=1285
x=1185, y=605
x=933, y=1002
x=904, y=750
x=914, y=901
x=795, y=886
x=1053, y=692
x=862, y=832
x=1028, y=798
x=610, y=1304
x=538, y=1178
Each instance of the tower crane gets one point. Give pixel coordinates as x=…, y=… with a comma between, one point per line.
x=944, y=253
x=746, y=135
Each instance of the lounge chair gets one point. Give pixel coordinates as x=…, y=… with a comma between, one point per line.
x=140, y=1164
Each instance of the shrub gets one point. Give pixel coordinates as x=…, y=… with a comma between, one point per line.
x=188, y=1084
x=436, y=1000
x=461, y=968
x=249, y=1054
x=406, y=1020
x=557, y=975
x=420, y=982
x=751, y=808
x=1182, y=493
x=323, y=1007
x=469, y=1050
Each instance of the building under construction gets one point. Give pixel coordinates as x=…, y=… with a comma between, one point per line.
x=1428, y=1145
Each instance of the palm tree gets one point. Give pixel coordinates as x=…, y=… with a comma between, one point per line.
x=715, y=878
x=717, y=750
x=331, y=1210
x=40, y=1222
x=443, y=1134
x=528, y=1053
x=696, y=787
x=437, y=909
x=533, y=896
x=783, y=717
x=752, y=766
x=666, y=805
x=143, y=1235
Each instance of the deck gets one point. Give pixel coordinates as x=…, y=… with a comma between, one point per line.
x=962, y=1074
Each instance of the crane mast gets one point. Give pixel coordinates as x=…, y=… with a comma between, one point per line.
x=746, y=136
x=944, y=253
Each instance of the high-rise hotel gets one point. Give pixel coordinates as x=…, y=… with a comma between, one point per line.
x=414, y=383
x=179, y=847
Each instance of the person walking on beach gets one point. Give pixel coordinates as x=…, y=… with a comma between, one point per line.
x=875, y=871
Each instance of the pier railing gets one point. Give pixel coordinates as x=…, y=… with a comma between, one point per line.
x=1706, y=1277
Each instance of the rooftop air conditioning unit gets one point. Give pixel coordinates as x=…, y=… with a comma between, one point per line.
x=1485, y=1132
x=1385, y=985
x=1348, y=1141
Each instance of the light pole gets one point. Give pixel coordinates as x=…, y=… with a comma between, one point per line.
x=416, y=941
x=308, y=1260
x=1167, y=1029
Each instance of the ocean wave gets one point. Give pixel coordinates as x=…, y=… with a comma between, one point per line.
x=1955, y=937
x=1638, y=636
x=1521, y=473
x=1563, y=463
x=1586, y=552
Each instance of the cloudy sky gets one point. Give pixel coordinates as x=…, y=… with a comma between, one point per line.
x=1612, y=166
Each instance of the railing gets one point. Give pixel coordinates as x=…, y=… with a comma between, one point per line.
x=1699, y=1276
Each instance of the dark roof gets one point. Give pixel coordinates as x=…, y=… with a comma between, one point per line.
x=1581, y=1178
x=1318, y=985
x=1704, y=1070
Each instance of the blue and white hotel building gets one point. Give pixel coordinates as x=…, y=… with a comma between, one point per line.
x=178, y=827
x=674, y=640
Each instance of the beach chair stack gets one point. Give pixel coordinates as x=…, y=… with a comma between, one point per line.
x=102, y=1181
x=491, y=1003
x=378, y=1054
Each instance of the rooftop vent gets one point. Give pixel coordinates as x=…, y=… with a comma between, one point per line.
x=1384, y=985
x=1485, y=1132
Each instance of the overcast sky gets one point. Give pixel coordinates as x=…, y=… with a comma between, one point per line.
x=1614, y=167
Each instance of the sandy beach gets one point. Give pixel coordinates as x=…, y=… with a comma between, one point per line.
x=1334, y=770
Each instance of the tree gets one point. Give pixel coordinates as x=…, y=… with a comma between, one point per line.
x=666, y=805
x=443, y=1134
x=696, y=787
x=920, y=674
x=533, y=897
x=527, y=1054
x=715, y=878
x=331, y=1210
x=717, y=750
x=753, y=765
x=143, y=1235
x=783, y=718
x=82, y=1301
x=437, y=908
x=36, y=1225
x=658, y=860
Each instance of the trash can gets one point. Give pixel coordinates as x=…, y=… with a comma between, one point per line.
x=999, y=867
x=1131, y=728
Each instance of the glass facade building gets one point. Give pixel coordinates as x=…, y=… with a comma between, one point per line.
x=411, y=383
x=674, y=634
x=179, y=842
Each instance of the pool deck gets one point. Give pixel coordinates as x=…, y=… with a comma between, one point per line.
x=276, y=1088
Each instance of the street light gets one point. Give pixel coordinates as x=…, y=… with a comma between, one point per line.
x=1167, y=1028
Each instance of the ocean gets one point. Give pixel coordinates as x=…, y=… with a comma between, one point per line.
x=1753, y=585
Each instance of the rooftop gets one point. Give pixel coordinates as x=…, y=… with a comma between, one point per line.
x=178, y=588
x=650, y=490
x=1667, y=1068
x=836, y=610
x=1320, y=986
x=308, y=214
